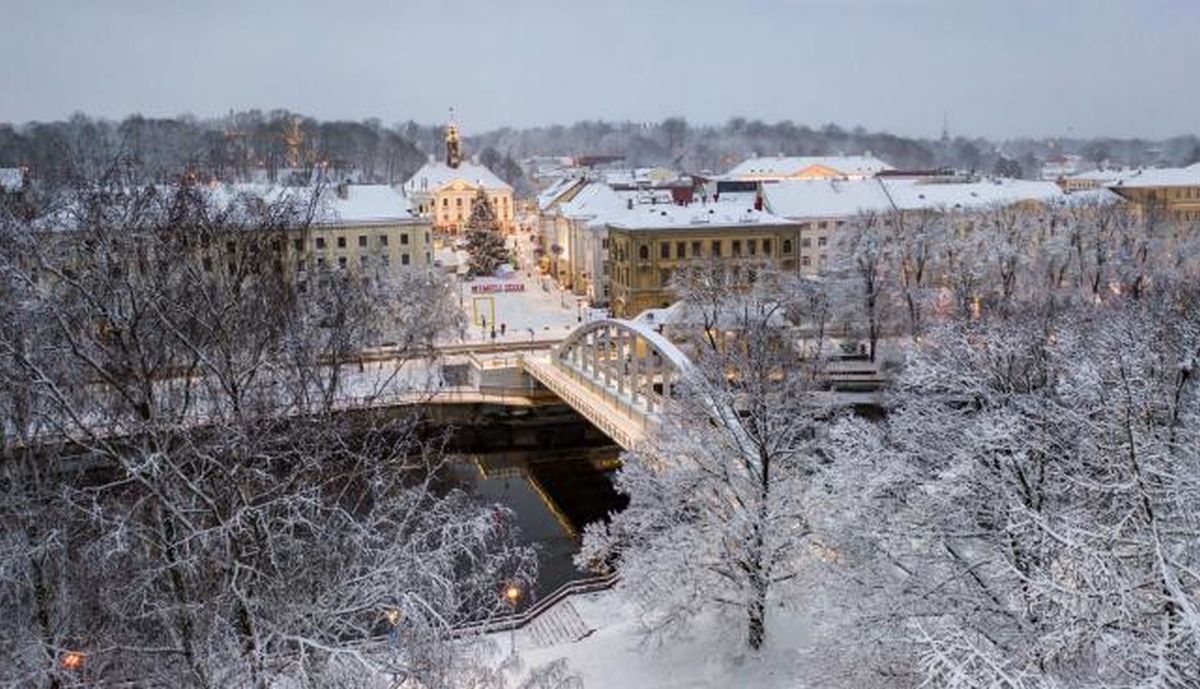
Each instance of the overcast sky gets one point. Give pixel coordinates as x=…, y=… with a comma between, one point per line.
x=999, y=68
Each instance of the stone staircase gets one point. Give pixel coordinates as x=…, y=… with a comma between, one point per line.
x=560, y=624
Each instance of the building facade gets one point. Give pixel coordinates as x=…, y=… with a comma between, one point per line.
x=1172, y=192
x=443, y=191
x=647, y=245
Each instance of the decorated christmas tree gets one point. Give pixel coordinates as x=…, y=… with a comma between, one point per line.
x=485, y=244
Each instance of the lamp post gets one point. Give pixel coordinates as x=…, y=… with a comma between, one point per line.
x=512, y=594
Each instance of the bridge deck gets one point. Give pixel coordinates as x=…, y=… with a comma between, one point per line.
x=625, y=426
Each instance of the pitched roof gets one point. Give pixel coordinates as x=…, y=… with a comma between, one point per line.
x=784, y=166
x=824, y=198
x=1162, y=177
x=436, y=174
x=696, y=215
x=556, y=191
x=914, y=194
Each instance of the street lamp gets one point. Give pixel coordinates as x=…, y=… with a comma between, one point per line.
x=512, y=594
x=73, y=660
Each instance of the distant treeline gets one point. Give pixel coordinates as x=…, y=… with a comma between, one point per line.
x=256, y=144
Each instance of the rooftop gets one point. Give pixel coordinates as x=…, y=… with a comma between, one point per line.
x=786, y=166
x=436, y=174
x=1161, y=177
x=695, y=215
x=825, y=198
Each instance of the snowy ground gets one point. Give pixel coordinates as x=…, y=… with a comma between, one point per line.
x=541, y=310
x=712, y=656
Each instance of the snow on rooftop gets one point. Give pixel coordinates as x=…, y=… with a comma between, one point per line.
x=664, y=216
x=435, y=174
x=366, y=204
x=825, y=198
x=1162, y=177
x=555, y=191
x=785, y=166
x=594, y=201
x=915, y=194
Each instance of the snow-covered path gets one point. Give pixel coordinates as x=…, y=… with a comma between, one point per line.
x=612, y=654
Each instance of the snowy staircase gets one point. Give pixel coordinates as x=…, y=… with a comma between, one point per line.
x=560, y=624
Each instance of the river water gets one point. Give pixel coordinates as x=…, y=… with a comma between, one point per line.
x=553, y=494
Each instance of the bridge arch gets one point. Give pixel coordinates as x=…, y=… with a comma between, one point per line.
x=628, y=362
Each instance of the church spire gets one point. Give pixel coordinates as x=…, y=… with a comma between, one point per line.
x=453, y=144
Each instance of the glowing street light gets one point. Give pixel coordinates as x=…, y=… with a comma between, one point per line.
x=73, y=660
x=512, y=594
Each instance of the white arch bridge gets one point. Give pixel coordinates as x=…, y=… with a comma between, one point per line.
x=617, y=374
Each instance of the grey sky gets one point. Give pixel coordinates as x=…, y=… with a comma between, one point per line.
x=1000, y=68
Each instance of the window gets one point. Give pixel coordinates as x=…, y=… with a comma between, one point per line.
x=664, y=250
x=680, y=249
x=787, y=246
x=364, y=260
x=805, y=260
x=696, y=249
x=362, y=240
x=320, y=242
x=404, y=260
x=805, y=242
x=426, y=237
x=301, y=265
x=383, y=240
x=458, y=202
x=445, y=202
x=822, y=225
x=752, y=247
x=341, y=242
x=207, y=264
x=230, y=247
x=737, y=247
x=716, y=247
x=821, y=241
x=320, y=262
x=231, y=267
x=644, y=252
x=341, y=262
x=766, y=247
x=404, y=238
x=604, y=243
x=298, y=244
x=384, y=260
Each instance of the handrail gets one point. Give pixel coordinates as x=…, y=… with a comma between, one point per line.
x=518, y=620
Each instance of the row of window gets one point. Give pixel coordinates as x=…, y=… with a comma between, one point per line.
x=737, y=248
x=302, y=264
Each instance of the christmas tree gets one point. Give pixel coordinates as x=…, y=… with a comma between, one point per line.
x=485, y=244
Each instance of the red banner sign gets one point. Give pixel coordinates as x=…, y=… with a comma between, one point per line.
x=498, y=287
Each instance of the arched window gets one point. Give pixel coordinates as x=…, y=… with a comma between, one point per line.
x=644, y=252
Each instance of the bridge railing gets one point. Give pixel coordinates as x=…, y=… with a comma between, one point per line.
x=520, y=619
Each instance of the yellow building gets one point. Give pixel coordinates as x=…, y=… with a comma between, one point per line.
x=648, y=243
x=1175, y=192
x=443, y=191
x=369, y=231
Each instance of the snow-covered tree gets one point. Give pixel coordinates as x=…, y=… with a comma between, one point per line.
x=1031, y=503
x=716, y=522
x=185, y=498
x=485, y=242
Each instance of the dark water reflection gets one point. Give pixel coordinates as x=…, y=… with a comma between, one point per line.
x=553, y=495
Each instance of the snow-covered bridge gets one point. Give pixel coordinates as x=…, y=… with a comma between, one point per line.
x=617, y=374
